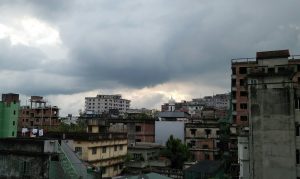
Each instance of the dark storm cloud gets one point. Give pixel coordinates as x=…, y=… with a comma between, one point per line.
x=138, y=43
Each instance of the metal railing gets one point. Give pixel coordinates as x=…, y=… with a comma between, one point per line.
x=66, y=164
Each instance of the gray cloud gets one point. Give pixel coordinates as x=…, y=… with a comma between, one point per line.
x=138, y=43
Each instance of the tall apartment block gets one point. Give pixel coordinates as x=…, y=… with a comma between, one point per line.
x=38, y=114
x=104, y=103
x=270, y=148
x=9, y=112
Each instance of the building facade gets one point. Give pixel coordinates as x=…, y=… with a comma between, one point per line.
x=272, y=85
x=104, y=103
x=9, y=112
x=38, y=114
x=107, y=152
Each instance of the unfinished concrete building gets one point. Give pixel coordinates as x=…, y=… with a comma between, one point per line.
x=274, y=94
x=38, y=114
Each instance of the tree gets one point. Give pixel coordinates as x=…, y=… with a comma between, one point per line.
x=176, y=151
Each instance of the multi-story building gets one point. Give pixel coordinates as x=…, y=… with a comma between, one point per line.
x=104, y=103
x=9, y=112
x=274, y=117
x=106, y=151
x=204, y=140
x=38, y=114
x=239, y=90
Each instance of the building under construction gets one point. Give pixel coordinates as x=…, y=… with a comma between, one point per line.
x=38, y=114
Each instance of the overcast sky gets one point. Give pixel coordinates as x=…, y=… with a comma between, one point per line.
x=147, y=50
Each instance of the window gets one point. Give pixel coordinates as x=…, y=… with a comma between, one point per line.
x=205, y=146
x=115, y=167
x=206, y=156
x=89, y=128
x=13, y=133
x=103, y=149
x=234, y=118
x=244, y=118
x=243, y=70
x=94, y=150
x=242, y=82
x=138, y=140
x=243, y=105
x=116, y=148
x=192, y=143
x=207, y=132
x=297, y=103
x=233, y=95
x=234, y=106
x=297, y=127
x=233, y=70
x=138, y=128
x=121, y=147
x=78, y=149
x=233, y=82
x=243, y=93
x=14, y=112
x=193, y=131
x=271, y=70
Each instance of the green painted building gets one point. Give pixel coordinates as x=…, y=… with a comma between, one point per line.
x=9, y=114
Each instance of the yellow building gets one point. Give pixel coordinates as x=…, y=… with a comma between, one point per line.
x=105, y=151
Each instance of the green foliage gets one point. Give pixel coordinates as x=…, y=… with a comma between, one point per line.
x=69, y=128
x=177, y=152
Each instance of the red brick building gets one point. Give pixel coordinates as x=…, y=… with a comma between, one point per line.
x=38, y=114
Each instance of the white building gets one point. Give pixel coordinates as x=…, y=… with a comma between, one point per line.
x=103, y=103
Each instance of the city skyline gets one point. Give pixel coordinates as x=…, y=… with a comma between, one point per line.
x=146, y=51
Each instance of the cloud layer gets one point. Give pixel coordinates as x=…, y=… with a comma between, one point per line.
x=74, y=48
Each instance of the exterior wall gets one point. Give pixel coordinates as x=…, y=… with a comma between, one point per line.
x=9, y=113
x=272, y=116
x=164, y=129
x=138, y=131
x=236, y=88
x=272, y=121
x=102, y=103
x=47, y=116
x=243, y=157
x=202, y=140
x=21, y=158
x=107, y=154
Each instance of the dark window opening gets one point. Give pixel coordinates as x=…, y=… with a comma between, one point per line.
x=233, y=95
x=205, y=146
x=233, y=70
x=193, y=131
x=14, y=123
x=233, y=82
x=244, y=118
x=234, y=106
x=243, y=93
x=94, y=150
x=271, y=70
x=103, y=149
x=243, y=70
x=206, y=156
x=297, y=130
x=207, y=132
x=242, y=82
x=138, y=128
x=138, y=140
x=243, y=105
